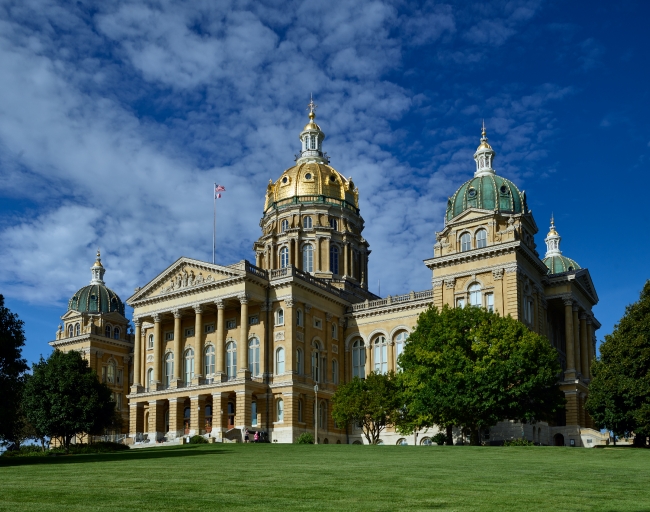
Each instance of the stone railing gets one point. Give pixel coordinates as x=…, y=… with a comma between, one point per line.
x=291, y=271
x=257, y=271
x=394, y=299
x=322, y=199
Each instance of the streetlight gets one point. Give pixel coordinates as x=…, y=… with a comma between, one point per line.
x=316, y=415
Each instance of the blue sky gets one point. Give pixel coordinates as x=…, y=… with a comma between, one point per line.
x=117, y=117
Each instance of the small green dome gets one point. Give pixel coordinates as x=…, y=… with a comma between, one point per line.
x=487, y=192
x=96, y=298
x=559, y=263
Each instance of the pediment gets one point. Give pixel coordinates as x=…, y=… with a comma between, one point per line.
x=583, y=277
x=184, y=274
x=469, y=215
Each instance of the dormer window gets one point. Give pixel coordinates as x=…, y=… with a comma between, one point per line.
x=481, y=238
x=465, y=242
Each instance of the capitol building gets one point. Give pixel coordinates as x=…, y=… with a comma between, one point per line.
x=217, y=349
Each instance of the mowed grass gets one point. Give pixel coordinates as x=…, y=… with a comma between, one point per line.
x=331, y=477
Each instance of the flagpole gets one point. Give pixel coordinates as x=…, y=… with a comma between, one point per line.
x=214, y=222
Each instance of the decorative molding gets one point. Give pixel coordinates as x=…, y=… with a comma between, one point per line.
x=219, y=303
x=497, y=274
x=176, y=313
x=243, y=298
x=198, y=308
x=450, y=283
x=328, y=317
x=136, y=322
x=300, y=336
x=307, y=307
x=335, y=349
x=150, y=358
x=289, y=302
x=279, y=336
x=157, y=317
x=437, y=283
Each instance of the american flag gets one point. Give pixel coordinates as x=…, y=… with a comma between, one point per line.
x=217, y=189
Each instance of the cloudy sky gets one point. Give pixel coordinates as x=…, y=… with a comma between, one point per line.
x=117, y=117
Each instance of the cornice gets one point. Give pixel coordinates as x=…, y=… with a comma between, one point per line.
x=390, y=308
x=66, y=342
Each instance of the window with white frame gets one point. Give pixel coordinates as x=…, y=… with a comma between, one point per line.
x=189, y=332
x=489, y=302
x=308, y=258
x=400, y=340
x=168, y=369
x=481, y=239
x=335, y=371
x=299, y=320
x=169, y=336
x=284, y=257
x=231, y=360
x=254, y=357
x=335, y=331
x=475, y=295
x=253, y=320
x=70, y=331
x=231, y=324
x=209, y=360
x=307, y=222
x=284, y=225
x=280, y=410
x=381, y=355
x=318, y=323
x=77, y=329
x=150, y=378
x=465, y=242
x=150, y=345
x=334, y=259
x=188, y=373
x=279, y=361
x=300, y=364
x=110, y=372
x=359, y=359
x=460, y=302
x=208, y=328
x=279, y=317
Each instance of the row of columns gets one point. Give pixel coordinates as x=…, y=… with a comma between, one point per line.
x=139, y=348
x=579, y=340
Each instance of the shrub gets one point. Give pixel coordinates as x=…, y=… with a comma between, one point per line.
x=305, y=438
x=198, y=440
x=518, y=442
x=439, y=438
x=25, y=451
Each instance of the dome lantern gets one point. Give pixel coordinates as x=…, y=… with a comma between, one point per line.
x=484, y=156
x=554, y=260
x=97, y=270
x=552, y=241
x=312, y=140
x=96, y=297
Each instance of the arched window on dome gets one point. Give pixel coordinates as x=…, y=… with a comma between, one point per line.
x=77, y=329
x=116, y=333
x=284, y=257
x=313, y=142
x=114, y=304
x=107, y=331
x=475, y=295
x=284, y=225
x=334, y=259
x=359, y=359
x=307, y=223
x=308, y=258
x=481, y=238
x=188, y=372
x=465, y=242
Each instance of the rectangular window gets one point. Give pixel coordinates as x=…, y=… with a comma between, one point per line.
x=169, y=336
x=208, y=328
x=335, y=331
x=253, y=320
x=254, y=414
x=189, y=332
x=231, y=324
x=318, y=323
x=460, y=303
x=489, y=302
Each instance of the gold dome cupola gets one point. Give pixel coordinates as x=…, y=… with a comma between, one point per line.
x=312, y=138
x=484, y=156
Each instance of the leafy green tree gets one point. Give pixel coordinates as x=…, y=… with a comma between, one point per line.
x=472, y=368
x=12, y=369
x=619, y=392
x=63, y=398
x=372, y=403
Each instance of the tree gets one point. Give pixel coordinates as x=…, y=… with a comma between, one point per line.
x=12, y=368
x=63, y=398
x=371, y=403
x=619, y=392
x=472, y=368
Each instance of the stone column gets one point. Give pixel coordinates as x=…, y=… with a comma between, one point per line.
x=317, y=254
x=346, y=261
x=219, y=414
x=198, y=344
x=568, y=334
x=576, y=339
x=178, y=357
x=590, y=341
x=242, y=347
x=176, y=406
x=197, y=415
x=327, y=255
x=219, y=360
x=137, y=355
x=156, y=420
x=243, y=410
x=157, y=353
x=584, y=349
x=136, y=418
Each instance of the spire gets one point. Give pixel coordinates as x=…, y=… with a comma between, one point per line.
x=484, y=155
x=552, y=240
x=97, y=270
x=312, y=139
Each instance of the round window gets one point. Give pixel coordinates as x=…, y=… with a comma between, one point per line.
x=571, y=269
x=285, y=179
x=471, y=192
x=504, y=189
x=308, y=176
x=332, y=178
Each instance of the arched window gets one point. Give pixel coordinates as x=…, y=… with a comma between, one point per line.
x=150, y=378
x=465, y=242
x=334, y=224
x=110, y=372
x=381, y=355
x=280, y=410
x=254, y=357
x=315, y=363
x=279, y=361
x=284, y=225
x=107, y=331
x=299, y=317
x=151, y=341
x=77, y=329
x=70, y=331
x=308, y=258
x=307, y=222
x=335, y=371
x=189, y=366
x=400, y=339
x=253, y=414
x=359, y=359
x=116, y=333
x=475, y=295
x=334, y=259
x=481, y=238
x=284, y=257
x=299, y=362
x=168, y=369
x=231, y=360
x=209, y=360
x=279, y=317
x=322, y=415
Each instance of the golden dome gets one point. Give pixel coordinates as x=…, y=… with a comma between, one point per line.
x=311, y=182
x=311, y=125
x=98, y=262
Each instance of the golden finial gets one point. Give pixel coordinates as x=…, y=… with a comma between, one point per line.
x=312, y=107
x=552, y=230
x=483, y=130
x=98, y=261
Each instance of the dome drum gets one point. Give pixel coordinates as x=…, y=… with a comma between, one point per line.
x=96, y=298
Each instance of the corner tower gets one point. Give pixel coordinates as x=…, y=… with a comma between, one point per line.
x=311, y=218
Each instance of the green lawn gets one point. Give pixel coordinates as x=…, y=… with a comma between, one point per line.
x=331, y=477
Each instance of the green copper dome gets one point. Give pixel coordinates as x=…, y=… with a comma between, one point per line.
x=96, y=298
x=487, y=192
x=560, y=263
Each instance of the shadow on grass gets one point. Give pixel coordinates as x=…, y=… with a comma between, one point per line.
x=133, y=454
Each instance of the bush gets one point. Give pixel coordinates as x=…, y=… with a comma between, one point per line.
x=439, y=438
x=518, y=442
x=75, y=449
x=198, y=440
x=25, y=451
x=305, y=438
